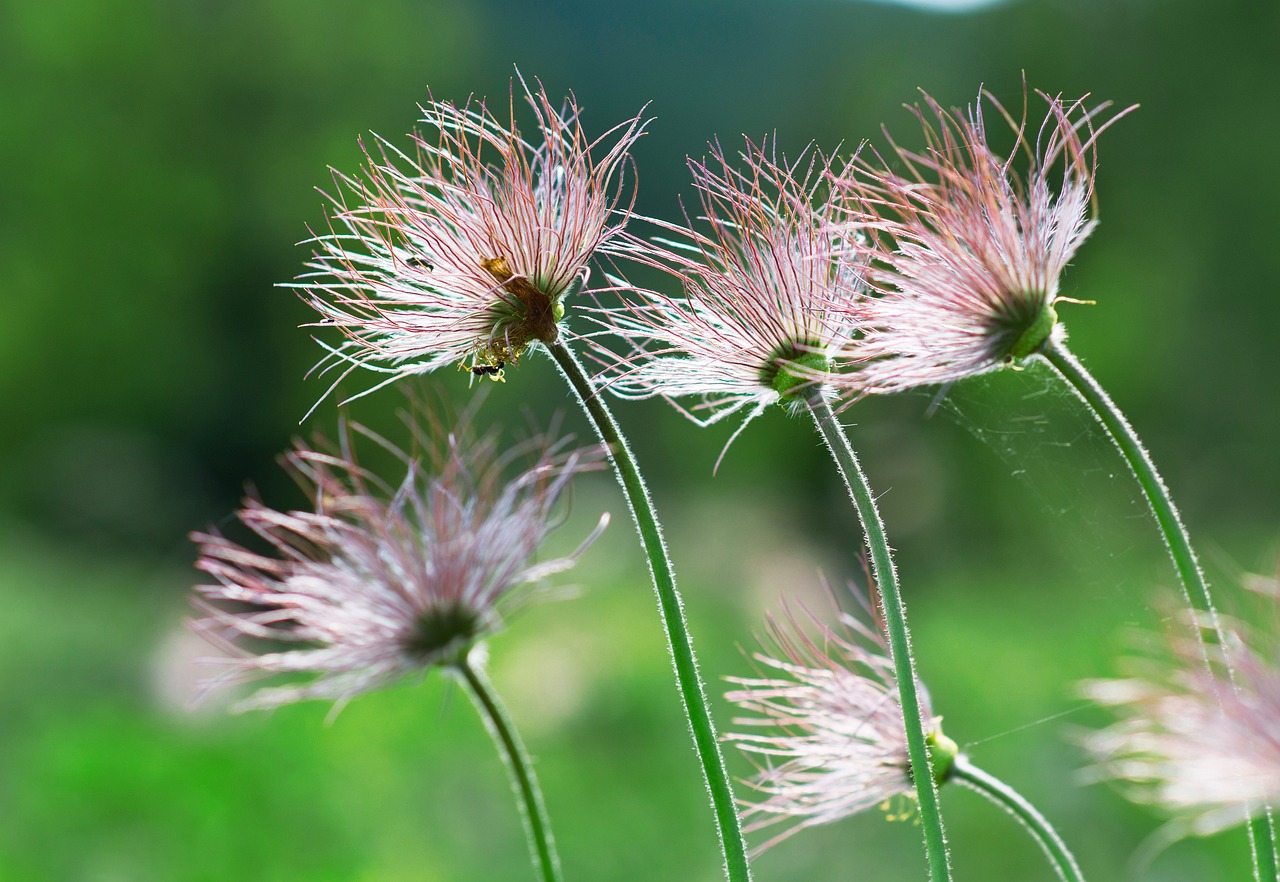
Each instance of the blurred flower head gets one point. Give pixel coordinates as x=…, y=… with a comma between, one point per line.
x=828, y=738
x=378, y=581
x=465, y=249
x=752, y=325
x=1198, y=737
x=965, y=252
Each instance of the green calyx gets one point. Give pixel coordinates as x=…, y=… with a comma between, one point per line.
x=443, y=635
x=942, y=755
x=790, y=371
x=1032, y=332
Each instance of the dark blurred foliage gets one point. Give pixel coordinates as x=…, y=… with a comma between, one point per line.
x=161, y=162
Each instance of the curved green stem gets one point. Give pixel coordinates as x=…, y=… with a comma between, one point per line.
x=1135, y=454
x=1194, y=585
x=995, y=790
x=532, y=809
x=1262, y=839
x=895, y=620
x=692, y=693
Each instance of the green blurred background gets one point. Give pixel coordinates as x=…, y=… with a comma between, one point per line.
x=160, y=161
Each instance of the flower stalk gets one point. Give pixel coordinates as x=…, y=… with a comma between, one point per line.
x=996, y=791
x=1262, y=841
x=679, y=642
x=895, y=618
x=533, y=811
x=1176, y=539
x=1195, y=588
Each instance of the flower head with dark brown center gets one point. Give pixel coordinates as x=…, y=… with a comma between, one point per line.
x=965, y=252
x=463, y=251
x=377, y=581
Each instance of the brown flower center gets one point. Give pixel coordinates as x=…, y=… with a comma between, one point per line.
x=527, y=313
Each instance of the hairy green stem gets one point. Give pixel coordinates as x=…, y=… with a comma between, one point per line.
x=1262, y=840
x=532, y=809
x=995, y=790
x=692, y=693
x=1135, y=454
x=1194, y=585
x=895, y=619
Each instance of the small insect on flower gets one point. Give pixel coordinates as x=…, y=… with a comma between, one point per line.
x=380, y=581
x=753, y=326
x=963, y=253
x=828, y=737
x=1202, y=741
x=492, y=370
x=466, y=248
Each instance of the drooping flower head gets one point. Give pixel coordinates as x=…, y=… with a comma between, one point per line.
x=1201, y=741
x=752, y=324
x=828, y=738
x=465, y=250
x=966, y=251
x=378, y=581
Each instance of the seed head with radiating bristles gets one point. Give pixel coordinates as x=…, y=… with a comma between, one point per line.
x=379, y=581
x=828, y=737
x=1201, y=741
x=752, y=325
x=466, y=248
x=965, y=252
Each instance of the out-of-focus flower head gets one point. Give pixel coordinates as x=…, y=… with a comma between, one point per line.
x=965, y=251
x=752, y=325
x=377, y=581
x=464, y=251
x=1199, y=728
x=828, y=738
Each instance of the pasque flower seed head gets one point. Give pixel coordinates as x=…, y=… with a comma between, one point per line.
x=375, y=581
x=463, y=251
x=752, y=325
x=964, y=252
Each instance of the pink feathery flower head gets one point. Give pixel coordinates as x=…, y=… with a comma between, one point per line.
x=965, y=252
x=828, y=738
x=378, y=581
x=1200, y=741
x=466, y=249
x=752, y=325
